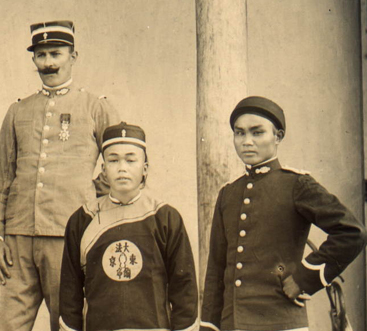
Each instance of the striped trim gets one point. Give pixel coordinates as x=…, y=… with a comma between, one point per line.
x=52, y=29
x=209, y=325
x=57, y=40
x=89, y=212
x=320, y=268
x=126, y=140
x=95, y=230
x=64, y=327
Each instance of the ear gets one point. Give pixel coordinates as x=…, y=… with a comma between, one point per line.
x=145, y=169
x=279, y=135
x=74, y=57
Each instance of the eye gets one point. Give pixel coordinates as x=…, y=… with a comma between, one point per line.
x=258, y=132
x=112, y=160
x=131, y=160
x=238, y=133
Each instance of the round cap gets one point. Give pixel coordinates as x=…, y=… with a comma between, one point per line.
x=52, y=33
x=259, y=106
x=123, y=133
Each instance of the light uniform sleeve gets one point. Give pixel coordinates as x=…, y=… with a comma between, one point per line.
x=182, y=285
x=8, y=161
x=346, y=236
x=214, y=283
x=72, y=276
x=105, y=115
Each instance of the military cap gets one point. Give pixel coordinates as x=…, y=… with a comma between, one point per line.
x=123, y=133
x=259, y=106
x=52, y=33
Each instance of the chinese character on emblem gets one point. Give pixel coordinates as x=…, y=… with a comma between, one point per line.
x=122, y=261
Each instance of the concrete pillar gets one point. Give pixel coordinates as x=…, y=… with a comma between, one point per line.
x=222, y=82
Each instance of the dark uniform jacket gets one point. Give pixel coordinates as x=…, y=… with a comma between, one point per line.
x=132, y=263
x=260, y=227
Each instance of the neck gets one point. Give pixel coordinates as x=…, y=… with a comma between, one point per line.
x=59, y=87
x=261, y=163
x=125, y=198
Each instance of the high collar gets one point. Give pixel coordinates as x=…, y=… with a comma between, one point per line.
x=57, y=90
x=262, y=168
x=118, y=202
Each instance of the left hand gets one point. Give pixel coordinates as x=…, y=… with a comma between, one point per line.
x=293, y=292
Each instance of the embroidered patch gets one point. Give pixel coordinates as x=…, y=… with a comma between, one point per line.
x=122, y=261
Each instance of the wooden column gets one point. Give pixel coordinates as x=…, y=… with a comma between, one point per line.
x=221, y=83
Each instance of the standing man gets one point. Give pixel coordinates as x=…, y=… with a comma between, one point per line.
x=256, y=277
x=50, y=143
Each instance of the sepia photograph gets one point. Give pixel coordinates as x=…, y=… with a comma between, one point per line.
x=183, y=165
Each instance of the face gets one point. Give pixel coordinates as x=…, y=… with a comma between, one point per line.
x=124, y=167
x=54, y=63
x=255, y=139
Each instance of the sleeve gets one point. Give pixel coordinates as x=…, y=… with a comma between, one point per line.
x=214, y=282
x=182, y=285
x=8, y=159
x=72, y=275
x=104, y=116
x=346, y=236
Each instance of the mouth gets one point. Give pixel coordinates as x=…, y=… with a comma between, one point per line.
x=123, y=179
x=249, y=153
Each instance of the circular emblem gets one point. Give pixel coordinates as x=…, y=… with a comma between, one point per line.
x=122, y=261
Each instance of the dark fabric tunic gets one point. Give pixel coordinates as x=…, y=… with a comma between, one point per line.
x=259, y=231
x=135, y=264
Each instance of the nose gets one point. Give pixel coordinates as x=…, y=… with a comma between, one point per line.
x=48, y=62
x=247, y=140
x=122, y=166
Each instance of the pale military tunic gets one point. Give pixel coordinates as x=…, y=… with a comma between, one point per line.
x=46, y=168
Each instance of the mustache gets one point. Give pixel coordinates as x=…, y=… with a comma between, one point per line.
x=48, y=71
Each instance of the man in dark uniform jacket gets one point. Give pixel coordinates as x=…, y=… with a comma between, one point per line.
x=257, y=278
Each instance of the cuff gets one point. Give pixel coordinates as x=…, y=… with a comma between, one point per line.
x=64, y=327
x=206, y=326
x=310, y=277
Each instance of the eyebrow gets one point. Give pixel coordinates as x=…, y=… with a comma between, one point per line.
x=116, y=154
x=255, y=127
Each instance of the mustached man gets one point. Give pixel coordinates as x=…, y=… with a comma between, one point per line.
x=50, y=143
x=127, y=262
x=256, y=277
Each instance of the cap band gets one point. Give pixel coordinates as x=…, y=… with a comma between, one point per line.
x=124, y=140
x=52, y=29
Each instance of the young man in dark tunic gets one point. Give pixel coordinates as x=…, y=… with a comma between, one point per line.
x=257, y=278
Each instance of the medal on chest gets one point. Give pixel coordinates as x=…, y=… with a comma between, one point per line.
x=122, y=261
x=65, y=123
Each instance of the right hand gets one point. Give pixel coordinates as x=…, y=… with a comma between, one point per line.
x=5, y=261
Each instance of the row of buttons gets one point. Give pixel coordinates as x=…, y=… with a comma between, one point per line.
x=242, y=233
x=45, y=142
